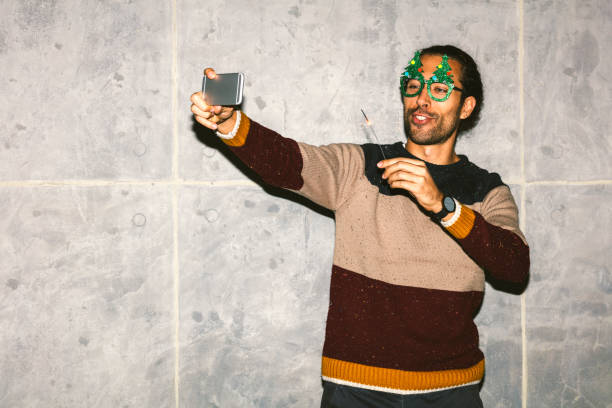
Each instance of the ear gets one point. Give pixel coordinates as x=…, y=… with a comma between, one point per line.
x=468, y=106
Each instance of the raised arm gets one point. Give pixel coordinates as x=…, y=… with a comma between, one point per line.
x=323, y=174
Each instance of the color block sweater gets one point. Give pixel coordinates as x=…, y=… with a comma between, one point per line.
x=404, y=290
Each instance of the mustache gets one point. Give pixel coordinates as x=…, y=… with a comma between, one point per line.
x=420, y=111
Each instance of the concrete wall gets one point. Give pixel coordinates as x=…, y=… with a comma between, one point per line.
x=139, y=267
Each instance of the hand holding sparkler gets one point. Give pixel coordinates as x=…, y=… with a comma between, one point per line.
x=409, y=174
x=413, y=176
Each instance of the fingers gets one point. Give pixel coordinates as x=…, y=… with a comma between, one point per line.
x=198, y=100
x=206, y=115
x=392, y=166
x=413, y=176
x=206, y=122
x=420, y=186
x=405, y=176
x=201, y=111
x=408, y=181
x=388, y=162
x=197, y=110
x=406, y=185
x=209, y=116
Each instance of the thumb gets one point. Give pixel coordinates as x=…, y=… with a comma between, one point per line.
x=210, y=73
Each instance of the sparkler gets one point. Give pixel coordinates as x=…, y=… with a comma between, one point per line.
x=373, y=133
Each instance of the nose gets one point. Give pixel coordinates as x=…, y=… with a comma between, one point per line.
x=423, y=99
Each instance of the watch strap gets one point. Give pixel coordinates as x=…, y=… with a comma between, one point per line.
x=455, y=217
x=448, y=205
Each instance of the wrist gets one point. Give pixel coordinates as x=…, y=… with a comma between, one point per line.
x=437, y=207
x=452, y=217
x=448, y=217
x=446, y=208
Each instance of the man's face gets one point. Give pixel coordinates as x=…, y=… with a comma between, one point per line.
x=429, y=122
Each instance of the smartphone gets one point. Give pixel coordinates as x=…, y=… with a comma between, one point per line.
x=224, y=89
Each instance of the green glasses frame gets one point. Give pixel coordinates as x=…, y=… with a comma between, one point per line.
x=433, y=80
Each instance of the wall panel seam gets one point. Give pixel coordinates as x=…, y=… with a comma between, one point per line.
x=174, y=191
x=521, y=74
x=238, y=182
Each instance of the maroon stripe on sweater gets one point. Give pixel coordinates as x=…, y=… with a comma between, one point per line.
x=391, y=326
x=500, y=252
x=277, y=160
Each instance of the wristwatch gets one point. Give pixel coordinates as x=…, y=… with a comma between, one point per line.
x=448, y=206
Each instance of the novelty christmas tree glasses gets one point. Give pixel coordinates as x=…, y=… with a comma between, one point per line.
x=439, y=86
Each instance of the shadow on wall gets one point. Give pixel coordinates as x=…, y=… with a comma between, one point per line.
x=209, y=139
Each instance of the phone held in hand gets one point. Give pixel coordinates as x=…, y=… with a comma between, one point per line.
x=224, y=89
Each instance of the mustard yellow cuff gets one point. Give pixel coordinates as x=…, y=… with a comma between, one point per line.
x=241, y=133
x=464, y=224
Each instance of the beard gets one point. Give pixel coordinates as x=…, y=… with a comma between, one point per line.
x=443, y=130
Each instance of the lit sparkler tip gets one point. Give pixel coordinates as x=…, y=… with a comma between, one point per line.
x=368, y=122
x=373, y=133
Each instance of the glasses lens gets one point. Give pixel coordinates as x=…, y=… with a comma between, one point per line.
x=412, y=87
x=439, y=91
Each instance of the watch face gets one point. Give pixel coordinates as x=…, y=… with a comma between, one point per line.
x=449, y=204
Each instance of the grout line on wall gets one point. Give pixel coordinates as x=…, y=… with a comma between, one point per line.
x=222, y=183
x=234, y=183
x=127, y=183
x=521, y=74
x=559, y=182
x=568, y=183
x=175, y=220
x=82, y=183
x=176, y=303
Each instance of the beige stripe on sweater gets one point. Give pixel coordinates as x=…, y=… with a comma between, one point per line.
x=387, y=237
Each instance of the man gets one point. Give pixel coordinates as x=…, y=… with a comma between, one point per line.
x=417, y=228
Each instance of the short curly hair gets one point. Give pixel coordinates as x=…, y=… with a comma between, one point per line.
x=470, y=80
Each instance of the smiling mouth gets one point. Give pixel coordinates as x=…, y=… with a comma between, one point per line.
x=419, y=118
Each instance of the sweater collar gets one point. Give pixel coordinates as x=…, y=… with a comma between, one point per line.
x=399, y=150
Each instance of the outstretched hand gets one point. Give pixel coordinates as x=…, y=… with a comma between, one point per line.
x=413, y=176
x=212, y=116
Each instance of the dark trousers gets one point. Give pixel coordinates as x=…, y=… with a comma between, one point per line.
x=343, y=396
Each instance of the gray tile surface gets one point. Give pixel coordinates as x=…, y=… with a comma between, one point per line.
x=86, y=297
x=310, y=69
x=567, y=95
x=254, y=294
x=499, y=326
x=570, y=296
x=86, y=89
x=304, y=68
x=87, y=306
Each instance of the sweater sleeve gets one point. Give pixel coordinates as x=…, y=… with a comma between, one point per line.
x=493, y=238
x=322, y=174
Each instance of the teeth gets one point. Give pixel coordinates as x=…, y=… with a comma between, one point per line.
x=419, y=117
